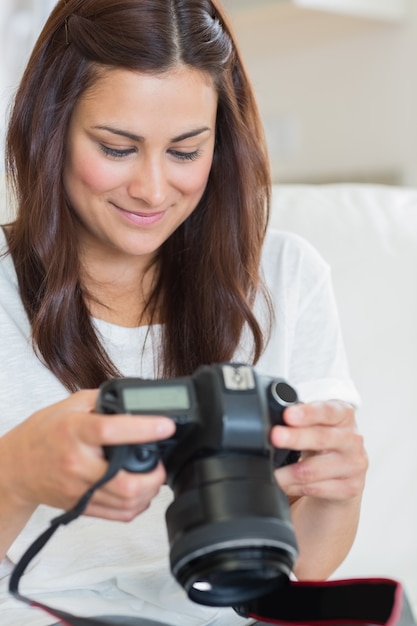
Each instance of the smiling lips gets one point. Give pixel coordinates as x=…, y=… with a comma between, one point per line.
x=141, y=219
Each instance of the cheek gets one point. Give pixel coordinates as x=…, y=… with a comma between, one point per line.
x=194, y=182
x=89, y=173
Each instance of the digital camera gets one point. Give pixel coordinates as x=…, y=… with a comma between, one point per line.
x=229, y=528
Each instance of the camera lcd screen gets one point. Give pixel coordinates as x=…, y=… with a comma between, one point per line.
x=156, y=398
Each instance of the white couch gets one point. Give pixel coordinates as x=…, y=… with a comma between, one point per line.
x=368, y=234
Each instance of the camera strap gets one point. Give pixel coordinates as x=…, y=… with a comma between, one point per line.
x=367, y=602
x=62, y=520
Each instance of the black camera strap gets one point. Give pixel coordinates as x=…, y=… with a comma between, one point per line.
x=367, y=602
x=62, y=520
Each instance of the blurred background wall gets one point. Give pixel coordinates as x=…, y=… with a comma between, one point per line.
x=337, y=92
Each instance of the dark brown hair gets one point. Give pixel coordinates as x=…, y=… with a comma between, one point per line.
x=209, y=268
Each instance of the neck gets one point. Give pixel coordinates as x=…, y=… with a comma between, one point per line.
x=118, y=292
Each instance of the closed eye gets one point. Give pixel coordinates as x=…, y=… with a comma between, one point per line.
x=186, y=156
x=121, y=153
x=115, y=153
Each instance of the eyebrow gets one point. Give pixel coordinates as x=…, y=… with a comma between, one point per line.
x=124, y=133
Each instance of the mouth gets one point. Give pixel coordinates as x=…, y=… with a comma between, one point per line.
x=141, y=218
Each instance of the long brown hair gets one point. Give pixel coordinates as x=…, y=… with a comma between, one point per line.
x=209, y=268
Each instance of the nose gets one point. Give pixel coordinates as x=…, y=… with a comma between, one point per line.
x=149, y=182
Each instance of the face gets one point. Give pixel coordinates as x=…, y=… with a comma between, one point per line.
x=139, y=153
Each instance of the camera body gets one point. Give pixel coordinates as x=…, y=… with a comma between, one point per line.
x=229, y=527
x=220, y=407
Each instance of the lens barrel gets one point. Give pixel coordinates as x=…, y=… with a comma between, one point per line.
x=231, y=539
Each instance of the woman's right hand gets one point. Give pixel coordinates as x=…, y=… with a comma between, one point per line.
x=56, y=455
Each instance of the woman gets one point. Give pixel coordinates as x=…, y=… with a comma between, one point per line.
x=140, y=249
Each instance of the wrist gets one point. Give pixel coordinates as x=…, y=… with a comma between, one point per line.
x=14, y=515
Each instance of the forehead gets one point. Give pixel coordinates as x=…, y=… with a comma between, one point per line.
x=183, y=96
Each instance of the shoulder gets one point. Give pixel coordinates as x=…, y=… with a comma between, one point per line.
x=282, y=242
x=288, y=258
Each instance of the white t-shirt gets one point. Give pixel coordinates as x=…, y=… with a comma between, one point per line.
x=99, y=567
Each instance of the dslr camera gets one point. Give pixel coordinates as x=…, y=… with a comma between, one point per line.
x=229, y=528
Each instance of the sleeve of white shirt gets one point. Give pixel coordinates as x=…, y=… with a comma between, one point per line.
x=306, y=345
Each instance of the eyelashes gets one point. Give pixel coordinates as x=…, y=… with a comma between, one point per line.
x=116, y=154
x=120, y=154
x=186, y=156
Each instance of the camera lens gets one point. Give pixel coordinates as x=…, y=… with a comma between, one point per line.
x=231, y=538
x=234, y=575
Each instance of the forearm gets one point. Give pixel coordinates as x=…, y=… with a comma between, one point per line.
x=325, y=532
x=14, y=510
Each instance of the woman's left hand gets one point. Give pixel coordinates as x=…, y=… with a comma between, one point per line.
x=333, y=461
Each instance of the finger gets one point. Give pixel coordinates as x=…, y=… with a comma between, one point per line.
x=315, y=475
x=125, y=429
x=126, y=487
x=329, y=413
x=315, y=438
x=322, y=467
x=127, y=495
x=114, y=514
x=332, y=490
